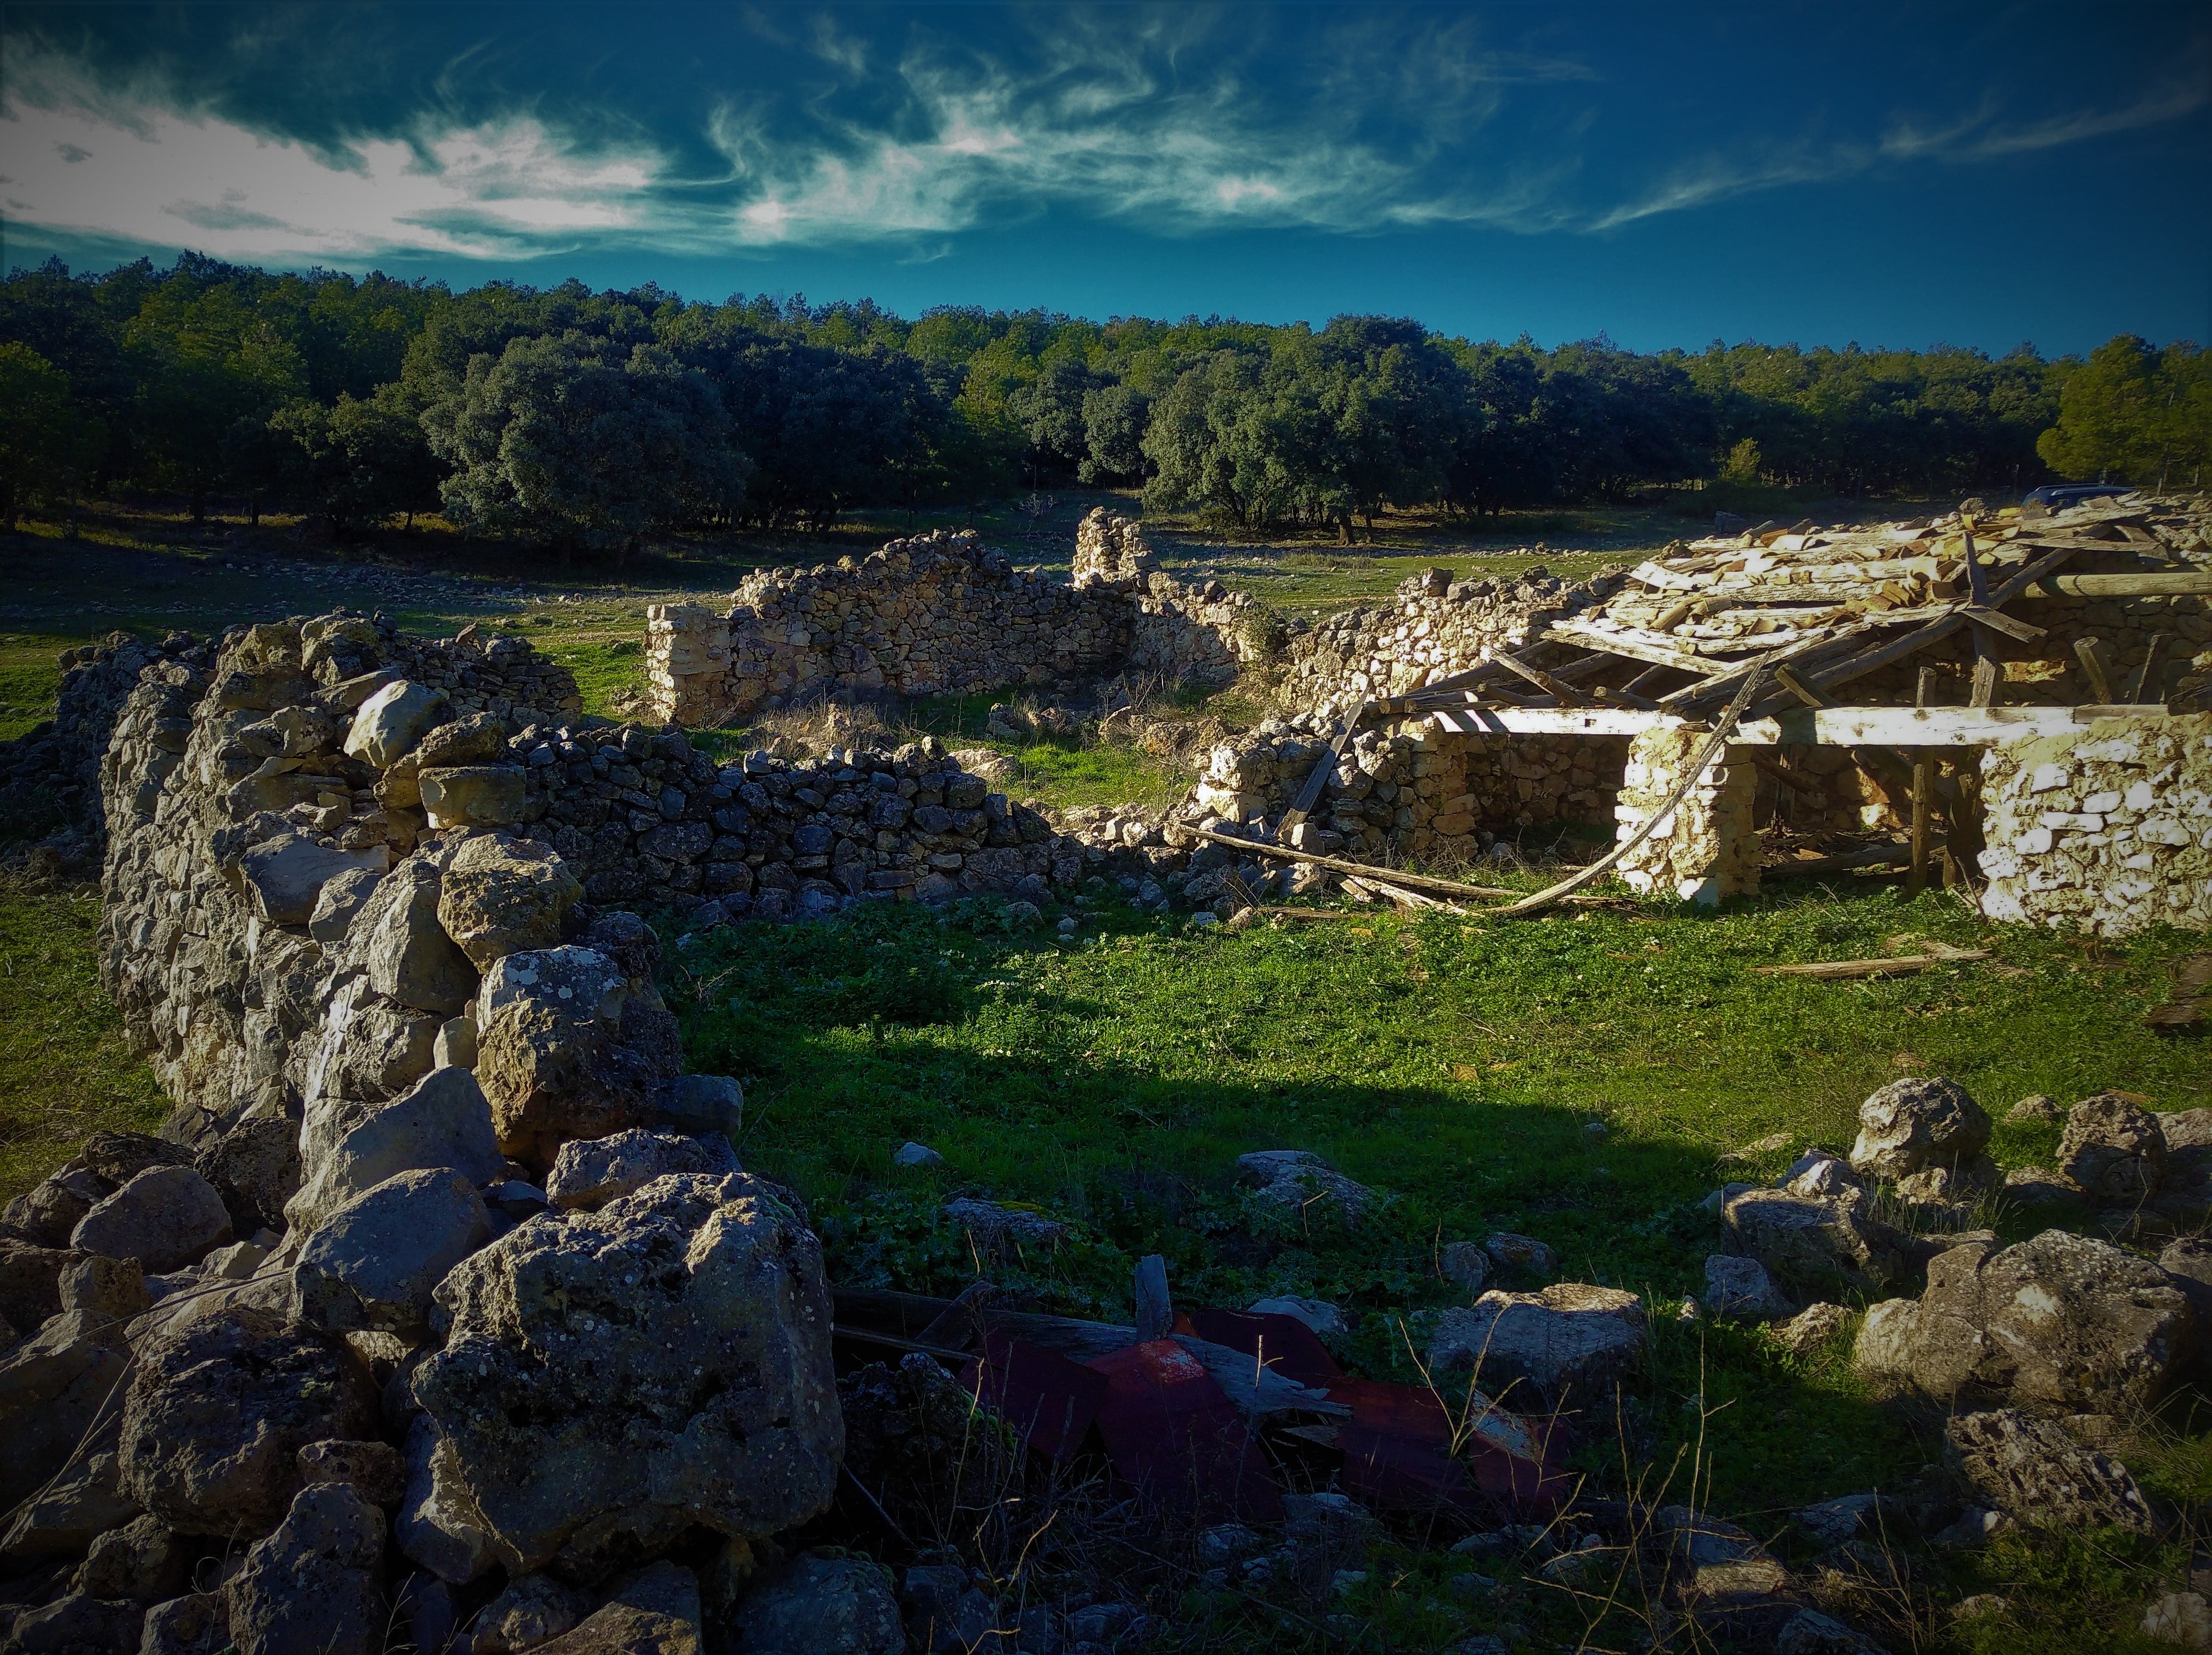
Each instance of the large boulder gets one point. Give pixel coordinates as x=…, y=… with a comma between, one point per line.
x=439, y=1526
x=144, y=1559
x=2060, y=1324
x=554, y=1051
x=823, y=1604
x=396, y=940
x=656, y=1612
x=284, y=876
x=473, y=795
x=191, y=1625
x=55, y=1387
x=78, y=1624
x=442, y=1122
x=166, y=1218
x=2030, y=1469
x=30, y=1280
x=371, y=1265
x=1917, y=1122
x=591, y=1173
x=315, y=1585
x=1571, y=1338
x=500, y=895
x=71, y=1509
x=2113, y=1149
x=218, y=1410
x=392, y=720
x=1294, y=1179
x=1818, y=1245
x=255, y=1168
x=610, y=1381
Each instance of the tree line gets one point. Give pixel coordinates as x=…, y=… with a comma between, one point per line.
x=589, y=420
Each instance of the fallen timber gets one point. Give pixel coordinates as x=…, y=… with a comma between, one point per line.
x=1834, y=727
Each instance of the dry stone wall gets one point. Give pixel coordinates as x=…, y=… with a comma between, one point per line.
x=930, y=615
x=2107, y=829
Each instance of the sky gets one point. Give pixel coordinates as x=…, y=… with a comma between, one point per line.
x=1898, y=175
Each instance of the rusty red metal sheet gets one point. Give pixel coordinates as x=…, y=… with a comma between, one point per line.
x=1049, y=1401
x=1175, y=1438
x=1399, y=1452
x=1283, y=1342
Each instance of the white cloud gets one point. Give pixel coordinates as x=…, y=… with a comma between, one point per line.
x=1982, y=137
x=83, y=162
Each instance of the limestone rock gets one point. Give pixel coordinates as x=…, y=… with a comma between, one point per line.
x=655, y=1613
x=50, y=1210
x=1568, y=1339
x=1948, y=1186
x=372, y=1264
x=1741, y=1288
x=166, y=1218
x=315, y=1586
x=1915, y=1123
x=2030, y=1469
x=68, y=1512
x=194, y=1624
x=373, y=1469
x=1295, y=1179
x=916, y=1154
x=1809, y=1631
x=442, y=1122
x=439, y=1526
x=1323, y=1318
x=700, y=1104
x=1812, y=1243
x=284, y=877
x=396, y=939
x=472, y=738
x=1510, y=1252
x=823, y=1603
x=2037, y=1109
x=30, y=1280
x=118, y=1157
x=114, y=1288
x=53, y=1387
x=591, y=1173
x=528, y=1613
x=1812, y=1328
x=255, y=1168
x=693, y=1384
x=552, y=1053
x=499, y=895
x=473, y=795
x=144, y=1559
x=2060, y=1324
x=79, y=1625
x=218, y=1410
x=1464, y=1264
x=2180, y=1617
x=391, y=721
x=2113, y=1149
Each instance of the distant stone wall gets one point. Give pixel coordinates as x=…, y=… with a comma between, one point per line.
x=49, y=778
x=2107, y=829
x=934, y=614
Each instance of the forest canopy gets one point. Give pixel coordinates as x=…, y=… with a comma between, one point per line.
x=589, y=420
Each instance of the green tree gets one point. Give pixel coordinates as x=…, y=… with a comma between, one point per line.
x=361, y=462
x=35, y=422
x=574, y=442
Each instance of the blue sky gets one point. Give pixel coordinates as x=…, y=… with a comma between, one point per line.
x=1894, y=174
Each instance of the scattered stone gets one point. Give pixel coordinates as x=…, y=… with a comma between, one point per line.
x=1740, y=1287
x=1294, y=1179
x=1510, y=1252
x=390, y=722
x=2061, y=1323
x=217, y=1412
x=79, y=1625
x=1917, y=1122
x=995, y=1230
x=914, y=1154
x=1835, y=1522
x=587, y=1174
x=2180, y=1617
x=372, y=1264
x=1323, y=1318
x=474, y=795
x=194, y=1624
x=46, y=1213
x=655, y=1612
x=165, y=1217
x=2037, y=1109
x=1819, y=1174
x=144, y=1559
x=2114, y=1150
x=1327, y=1532
x=1951, y=1186
x=255, y=1168
x=441, y=1121
x=1464, y=1263
x=694, y=1382
x=53, y=1387
x=500, y=895
x=2034, y=1473
x=1813, y=1326
x=2038, y=1188
x=1815, y=1244
x=439, y=1526
x=315, y=1586
x=530, y=1611
x=1571, y=1338
x=823, y=1603
x=375, y=1470
x=1716, y=1202
x=456, y=1045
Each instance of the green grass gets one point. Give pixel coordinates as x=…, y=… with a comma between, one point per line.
x=1455, y=1064
x=63, y=1072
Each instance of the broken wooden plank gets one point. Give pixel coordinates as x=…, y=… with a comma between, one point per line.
x=2189, y=584
x=1309, y=793
x=1898, y=966
x=1557, y=689
x=2146, y=674
x=2090, y=652
x=1923, y=787
x=1390, y=876
x=1981, y=615
x=1843, y=862
x=1636, y=649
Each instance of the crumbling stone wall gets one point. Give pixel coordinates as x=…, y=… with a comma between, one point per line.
x=2107, y=829
x=930, y=615
x=1706, y=847
x=50, y=777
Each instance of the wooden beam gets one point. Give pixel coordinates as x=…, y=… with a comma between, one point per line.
x=2146, y=674
x=2148, y=585
x=1635, y=649
x=1550, y=686
x=1822, y=726
x=1924, y=786
x=2090, y=652
x=1302, y=804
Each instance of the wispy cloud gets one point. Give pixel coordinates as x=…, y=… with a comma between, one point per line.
x=1985, y=135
